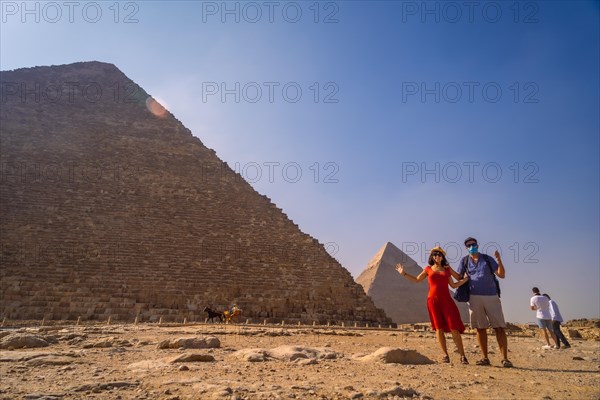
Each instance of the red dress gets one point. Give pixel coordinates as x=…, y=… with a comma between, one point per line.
x=443, y=312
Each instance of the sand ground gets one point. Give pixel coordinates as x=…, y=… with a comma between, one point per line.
x=124, y=362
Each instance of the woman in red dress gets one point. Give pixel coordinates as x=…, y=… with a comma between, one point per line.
x=443, y=313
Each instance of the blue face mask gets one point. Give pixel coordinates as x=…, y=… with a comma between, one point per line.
x=473, y=250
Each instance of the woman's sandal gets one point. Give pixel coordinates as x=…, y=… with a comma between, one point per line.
x=483, y=361
x=463, y=360
x=446, y=359
x=507, y=364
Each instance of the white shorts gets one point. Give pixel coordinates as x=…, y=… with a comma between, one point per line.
x=486, y=311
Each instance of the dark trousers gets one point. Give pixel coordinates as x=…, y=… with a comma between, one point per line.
x=559, y=335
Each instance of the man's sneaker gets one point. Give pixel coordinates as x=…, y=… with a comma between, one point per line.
x=567, y=347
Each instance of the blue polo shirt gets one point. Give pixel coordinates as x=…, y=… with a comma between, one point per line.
x=481, y=281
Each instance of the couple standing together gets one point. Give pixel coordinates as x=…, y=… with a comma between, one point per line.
x=478, y=271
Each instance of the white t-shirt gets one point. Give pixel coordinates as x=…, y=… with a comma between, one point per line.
x=555, y=312
x=542, y=305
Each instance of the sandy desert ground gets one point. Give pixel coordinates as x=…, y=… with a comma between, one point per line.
x=217, y=361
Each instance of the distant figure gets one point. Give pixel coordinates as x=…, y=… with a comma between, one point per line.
x=485, y=307
x=556, y=320
x=212, y=315
x=443, y=313
x=541, y=305
x=232, y=313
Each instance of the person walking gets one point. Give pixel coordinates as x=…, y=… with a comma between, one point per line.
x=443, y=313
x=485, y=307
x=541, y=305
x=556, y=321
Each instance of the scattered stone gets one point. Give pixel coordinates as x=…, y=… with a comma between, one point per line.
x=399, y=391
x=292, y=352
x=309, y=361
x=395, y=355
x=339, y=333
x=20, y=341
x=51, y=339
x=252, y=355
x=16, y=355
x=286, y=353
x=221, y=394
x=192, y=358
x=146, y=365
x=281, y=332
x=4, y=333
x=77, y=340
x=107, y=342
x=577, y=358
x=306, y=388
x=50, y=360
x=574, y=334
x=71, y=336
x=202, y=342
x=98, y=387
x=211, y=391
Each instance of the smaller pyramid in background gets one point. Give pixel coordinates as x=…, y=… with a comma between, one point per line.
x=402, y=300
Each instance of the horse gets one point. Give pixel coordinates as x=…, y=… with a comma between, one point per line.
x=229, y=315
x=212, y=314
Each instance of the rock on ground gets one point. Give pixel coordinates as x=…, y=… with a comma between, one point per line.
x=286, y=353
x=202, y=342
x=22, y=340
x=396, y=355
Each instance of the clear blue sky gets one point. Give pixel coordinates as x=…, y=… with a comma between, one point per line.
x=417, y=123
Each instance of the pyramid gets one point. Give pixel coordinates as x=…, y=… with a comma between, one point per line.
x=110, y=207
x=402, y=300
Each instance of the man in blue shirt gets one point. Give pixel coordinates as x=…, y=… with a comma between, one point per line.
x=485, y=307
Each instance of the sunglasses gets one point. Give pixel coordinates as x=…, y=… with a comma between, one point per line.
x=471, y=245
x=437, y=255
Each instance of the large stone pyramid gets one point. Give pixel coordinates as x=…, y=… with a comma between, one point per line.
x=402, y=300
x=109, y=207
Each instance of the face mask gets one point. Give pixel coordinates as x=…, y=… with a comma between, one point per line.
x=473, y=250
